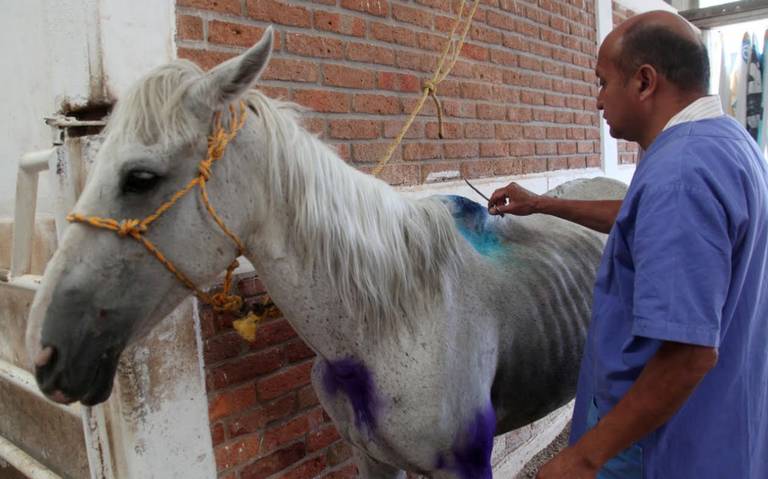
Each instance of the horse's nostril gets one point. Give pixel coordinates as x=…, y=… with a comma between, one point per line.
x=45, y=356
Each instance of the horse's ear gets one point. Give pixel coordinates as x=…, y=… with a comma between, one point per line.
x=231, y=79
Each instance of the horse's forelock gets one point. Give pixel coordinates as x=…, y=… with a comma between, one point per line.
x=152, y=112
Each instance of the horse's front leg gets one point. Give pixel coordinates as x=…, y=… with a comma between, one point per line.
x=370, y=468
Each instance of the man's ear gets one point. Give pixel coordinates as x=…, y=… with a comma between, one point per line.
x=228, y=81
x=647, y=81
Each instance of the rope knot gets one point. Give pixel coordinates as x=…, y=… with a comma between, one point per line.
x=430, y=87
x=131, y=227
x=205, y=169
x=231, y=303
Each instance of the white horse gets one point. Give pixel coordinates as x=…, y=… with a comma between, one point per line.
x=435, y=325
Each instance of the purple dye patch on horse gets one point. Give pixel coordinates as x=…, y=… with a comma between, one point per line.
x=471, y=452
x=353, y=378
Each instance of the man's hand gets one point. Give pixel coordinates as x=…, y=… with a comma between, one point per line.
x=569, y=464
x=512, y=199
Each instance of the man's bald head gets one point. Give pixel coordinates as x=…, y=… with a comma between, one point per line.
x=668, y=43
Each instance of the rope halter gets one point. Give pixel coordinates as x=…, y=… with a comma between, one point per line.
x=136, y=229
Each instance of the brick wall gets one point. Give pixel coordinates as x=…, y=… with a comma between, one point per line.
x=265, y=417
x=520, y=100
x=627, y=150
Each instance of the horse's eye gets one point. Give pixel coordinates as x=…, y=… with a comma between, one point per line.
x=140, y=181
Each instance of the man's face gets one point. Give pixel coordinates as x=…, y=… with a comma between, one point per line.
x=613, y=96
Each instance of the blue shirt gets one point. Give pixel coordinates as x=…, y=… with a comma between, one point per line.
x=686, y=261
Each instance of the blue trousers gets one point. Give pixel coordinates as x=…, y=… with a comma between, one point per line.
x=628, y=464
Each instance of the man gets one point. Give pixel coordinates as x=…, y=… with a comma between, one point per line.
x=674, y=379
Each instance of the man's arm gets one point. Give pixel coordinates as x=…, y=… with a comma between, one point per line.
x=664, y=385
x=516, y=200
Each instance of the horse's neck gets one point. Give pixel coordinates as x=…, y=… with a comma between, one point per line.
x=302, y=291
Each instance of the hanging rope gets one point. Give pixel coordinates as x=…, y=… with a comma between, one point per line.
x=447, y=60
x=136, y=229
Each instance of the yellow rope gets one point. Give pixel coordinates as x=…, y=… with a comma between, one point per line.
x=217, y=145
x=430, y=86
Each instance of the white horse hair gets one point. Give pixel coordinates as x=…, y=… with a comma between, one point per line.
x=435, y=325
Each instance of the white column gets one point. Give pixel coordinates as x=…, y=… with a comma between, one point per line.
x=609, y=149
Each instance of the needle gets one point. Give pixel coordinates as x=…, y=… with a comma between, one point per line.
x=480, y=193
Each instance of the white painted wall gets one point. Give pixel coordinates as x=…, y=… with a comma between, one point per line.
x=57, y=51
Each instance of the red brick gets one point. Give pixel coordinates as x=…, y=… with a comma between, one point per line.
x=307, y=397
x=402, y=82
x=575, y=134
x=519, y=114
x=365, y=53
x=275, y=91
x=322, y=438
x=532, y=98
x=370, y=152
x=477, y=91
x=543, y=149
x=309, y=469
x=506, y=131
x=283, y=13
x=314, y=46
x=557, y=133
x=593, y=161
x=297, y=350
x=398, y=174
x=228, y=33
x=521, y=148
x=205, y=59
x=462, y=109
x=421, y=151
x=451, y=131
x=461, y=150
x=547, y=116
x=237, y=452
x=566, y=148
x=483, y=130
x=230, y=402
x=416, y=61
x=491, y=111
x=287, y=380
x=397, y=35
x=271, y=333
x=341, y=76
x=231, y=7
x=339, y=23
x=533, y=165
x=431, y=42
x=534, y=132
x=218, y=433
x=323, y=101
x=421, y=18
x=577, y=162
x=477, y=169
x=485, y=35
x=355, y=129
x=189, y=27
x=376, y=104
x=495, y=149
x=225, y=346
x=251, y=286
x=278, y=436
x=378, y=8
x=393, y=128
x=290, y=70
x=475, y=52
x=275, y=462
x=248, y=367
x=557, y=163
x=254, y=420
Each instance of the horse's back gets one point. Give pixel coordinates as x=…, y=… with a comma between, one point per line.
x=599, y=188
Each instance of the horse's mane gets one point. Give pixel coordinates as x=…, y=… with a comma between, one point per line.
x=387, y=256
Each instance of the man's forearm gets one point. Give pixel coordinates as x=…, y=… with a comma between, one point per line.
x=596, y=215
x=665, y=384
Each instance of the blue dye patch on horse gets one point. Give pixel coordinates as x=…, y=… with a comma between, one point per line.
x=472, y=222
x=471, y=452
x=352, y=378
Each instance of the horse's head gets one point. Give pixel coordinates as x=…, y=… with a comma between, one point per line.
x=101, y=291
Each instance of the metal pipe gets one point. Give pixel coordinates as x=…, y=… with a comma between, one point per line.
x=24, y=380
x=23, y=462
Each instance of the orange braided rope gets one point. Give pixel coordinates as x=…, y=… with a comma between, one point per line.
x=217, y=145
